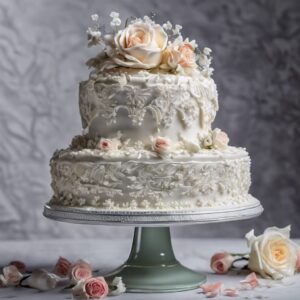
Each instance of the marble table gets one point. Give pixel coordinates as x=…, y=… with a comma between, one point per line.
x=106, y=254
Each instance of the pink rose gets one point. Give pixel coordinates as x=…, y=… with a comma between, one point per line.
x=298, y=262
x=221, y=262
x=187, y=57
x=62, y=267
x=11, y=276
x=161, y=145
x=81, y=270
x=211, y=290
x=250, y=282
x=91, y=288
x=19, y=264
x=96, y=287
x=220, y=139
x=108, y=144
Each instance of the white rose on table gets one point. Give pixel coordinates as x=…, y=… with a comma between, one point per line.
x=272, y=254
x=139, y=45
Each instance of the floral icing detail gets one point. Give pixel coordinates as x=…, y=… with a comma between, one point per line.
x=216, y=139
x=108, y=144
x=161, y=145
x=143, y=44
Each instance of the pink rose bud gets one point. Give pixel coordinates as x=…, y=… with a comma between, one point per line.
x=62, y=267
x=161, y=145
x=96, y=288
x=221, y=262
x=19, y=264
x=211, y=290
x=108, y=144
x=250, y=282
x=80, y=271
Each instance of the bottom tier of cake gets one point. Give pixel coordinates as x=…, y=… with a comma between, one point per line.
x=207, y=179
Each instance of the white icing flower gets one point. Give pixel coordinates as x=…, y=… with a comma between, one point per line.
x=167, y=26
x=177, y=29
x=207, y=142
x=139, y=45
x=272, y=254
x=94, y=36
x=116, y=21
x=207, y=51
x=220, y=139
x=95, y=17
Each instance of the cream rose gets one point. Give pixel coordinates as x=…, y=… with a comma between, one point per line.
x=139, y=45
x=272, y=254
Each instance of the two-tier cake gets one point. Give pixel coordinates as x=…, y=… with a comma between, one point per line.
x=147, y=142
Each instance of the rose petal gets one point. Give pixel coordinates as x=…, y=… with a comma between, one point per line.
x=231, y=292
x=250, y=282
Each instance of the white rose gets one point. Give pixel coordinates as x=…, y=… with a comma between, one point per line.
x=272, y=254
x=139, y=45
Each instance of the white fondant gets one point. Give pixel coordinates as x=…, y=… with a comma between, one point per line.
x=140, y=104
x=210, y=178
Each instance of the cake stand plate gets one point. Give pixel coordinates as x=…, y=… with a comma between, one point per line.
x=152, y=266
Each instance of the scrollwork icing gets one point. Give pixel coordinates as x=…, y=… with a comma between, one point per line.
x=153, y=185
x=188, y=99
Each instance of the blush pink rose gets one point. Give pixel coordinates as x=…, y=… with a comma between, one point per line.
x=108, y=144
x=161, y=145
x=250, y=282
x=11, y=276
x=211, y=290
x=96, y=288
x=220, y=139
x=62, y=267
x=221, y=262
x=80, y=271
x=19, y=265
x=187, y=55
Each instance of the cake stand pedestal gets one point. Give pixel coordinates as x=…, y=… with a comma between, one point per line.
x=152, y=266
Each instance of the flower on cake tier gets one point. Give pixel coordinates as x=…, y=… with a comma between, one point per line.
x=219, y=139
x=161, y=145
x=139, y=45
x=108, y=144
x=272, y=254
x=180, y=57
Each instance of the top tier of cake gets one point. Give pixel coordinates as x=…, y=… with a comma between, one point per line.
x=138, y=105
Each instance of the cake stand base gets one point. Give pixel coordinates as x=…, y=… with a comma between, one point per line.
x=152, y=266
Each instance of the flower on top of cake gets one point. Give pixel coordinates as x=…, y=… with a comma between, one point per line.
x=144, y=44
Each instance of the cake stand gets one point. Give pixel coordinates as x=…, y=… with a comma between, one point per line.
x=152, y=266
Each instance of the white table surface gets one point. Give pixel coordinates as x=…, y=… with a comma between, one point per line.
x=106, y=254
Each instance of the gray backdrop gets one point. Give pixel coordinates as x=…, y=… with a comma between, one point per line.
x=42, y=53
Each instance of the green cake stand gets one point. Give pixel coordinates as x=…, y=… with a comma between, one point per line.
x=152, y=266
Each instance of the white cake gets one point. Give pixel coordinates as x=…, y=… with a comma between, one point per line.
x=147, y=140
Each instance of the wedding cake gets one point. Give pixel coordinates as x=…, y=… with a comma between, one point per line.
x=147, y=111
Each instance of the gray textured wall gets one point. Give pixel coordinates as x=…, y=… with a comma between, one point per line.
x=42, y=53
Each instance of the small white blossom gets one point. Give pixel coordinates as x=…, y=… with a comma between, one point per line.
x=207, y=51
x=148, y=20
x=167, y=26
x=193, y=44
x=114, y=15
x=95, y=17
x=94, y=36
x=177, y=29
x=119, y=287
x=115, y=22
